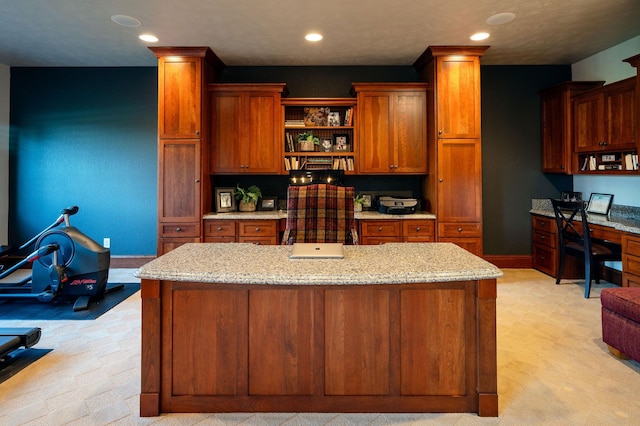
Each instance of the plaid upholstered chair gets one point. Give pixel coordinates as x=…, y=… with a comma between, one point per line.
x=320, y=213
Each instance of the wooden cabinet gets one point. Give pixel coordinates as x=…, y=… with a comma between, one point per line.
x=183, y=186
x=453, y=188
x=544, y=244
x=630, y=260
x=246, y=128
x=605, y=118
x=257, y=231
x=374, y=232
x=557, y=118
x=392, y=128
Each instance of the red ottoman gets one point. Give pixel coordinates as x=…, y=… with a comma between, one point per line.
x=621, y=321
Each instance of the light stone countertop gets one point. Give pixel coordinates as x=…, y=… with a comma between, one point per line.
x=391, y=263
x=281, y=214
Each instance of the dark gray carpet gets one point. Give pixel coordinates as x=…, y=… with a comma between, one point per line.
x=62, y=309
x=18, y=360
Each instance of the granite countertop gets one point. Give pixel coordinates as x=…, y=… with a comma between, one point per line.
x=280, y=214
x=621, y=218
x=391, y=263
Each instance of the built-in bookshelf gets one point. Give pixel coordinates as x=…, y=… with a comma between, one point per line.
x=331, y=121
x=623, y=162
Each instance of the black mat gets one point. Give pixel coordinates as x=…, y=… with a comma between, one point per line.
x=18, y=360
x=59, y=309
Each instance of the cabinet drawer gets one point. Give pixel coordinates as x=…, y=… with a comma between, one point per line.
x=459, y=229
x=544, y=259
x=631, y=244
x=374, y=241
x=219, y=228
x=180, y=230
x=602, y=232
x=257, y=228
x=418, y=228
x=629, y=280
x=220, y=239
x=631, y=264
x=380, y=228
x=259, y=240
x=544, y=238
x=543, y=223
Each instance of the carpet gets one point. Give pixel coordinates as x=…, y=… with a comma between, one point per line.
x=18, y=360
x=62, y=309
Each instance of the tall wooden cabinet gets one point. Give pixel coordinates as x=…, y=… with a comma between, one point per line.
x=392, y=127
x=453, y=186
x=183, y=186
x=246, y=123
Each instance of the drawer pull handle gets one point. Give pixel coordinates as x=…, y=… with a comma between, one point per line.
x=257, y=229
x=542, y=237
x=380, y=228
x=178, y=229
x=417, y=228
x=219, y=228
x=459, y=229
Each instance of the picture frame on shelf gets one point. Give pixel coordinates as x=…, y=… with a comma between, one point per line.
x=367, y=202
x=268, y=203
x=326, y=145
x=599, y=203
x=341, y=142
x=316, y=116
x=571, y=196
x=225, y=200
x=334, y=118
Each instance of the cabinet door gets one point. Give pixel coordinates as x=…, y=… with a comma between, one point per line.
x=459, y=180
x=554, y=149
x=179, y=181
x=619, y=116
x=376, y=137
x=458, y=97
x=588, y=123
x=261, y=144
x=227, y=131
x=410, y=124
x=179, y=96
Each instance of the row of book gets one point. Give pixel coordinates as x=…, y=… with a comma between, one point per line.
x=627, y=162
x=318, y=163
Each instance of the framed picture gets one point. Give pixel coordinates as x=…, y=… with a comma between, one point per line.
x=326, y=145
x=334, y=118
x=571, y=196
x=366, y=201
x=225, y=200
x=269, y=203
x=599, y=203
x=341, y=142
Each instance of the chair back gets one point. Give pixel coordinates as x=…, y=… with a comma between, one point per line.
x=320, y=213
x=567, y=214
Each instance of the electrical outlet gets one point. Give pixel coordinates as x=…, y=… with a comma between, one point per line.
x=106, y=243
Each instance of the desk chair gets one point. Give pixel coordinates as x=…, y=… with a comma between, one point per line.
x=320, y=213
x=576, y=241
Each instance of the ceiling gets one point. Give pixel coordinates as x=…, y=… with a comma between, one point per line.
x=48, y=33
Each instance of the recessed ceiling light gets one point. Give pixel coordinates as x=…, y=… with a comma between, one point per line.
x=148, y=37
x=501, y=18
x=126, y=21
x=479, y=36
x=313, y=37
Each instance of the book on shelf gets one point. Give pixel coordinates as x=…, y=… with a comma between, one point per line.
x=293, y=123
x=290, y=142
x=348, y=117
x=631, y=161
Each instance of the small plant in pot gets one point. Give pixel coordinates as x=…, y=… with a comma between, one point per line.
x=358, y=202
x=248, y=198
x=307, y=141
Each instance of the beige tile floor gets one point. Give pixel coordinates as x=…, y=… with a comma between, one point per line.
x=553, y=369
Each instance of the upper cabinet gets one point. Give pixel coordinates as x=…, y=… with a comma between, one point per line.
x=392, y=127
x=605, y=119
x=246, y=128
x=557, y=117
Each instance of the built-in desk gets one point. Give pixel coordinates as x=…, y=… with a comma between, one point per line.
x=622, y=228
x=400, y=327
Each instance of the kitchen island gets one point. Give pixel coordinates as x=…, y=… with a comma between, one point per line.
x=407, y=327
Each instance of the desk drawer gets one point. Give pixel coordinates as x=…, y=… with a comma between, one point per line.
x=543, y=223
x=602, y=232
x=257, y=228
x=180, y=230
x=545, y=238
x=544, y=259
x=219, y=228
x=259, y=240
x=631, y=244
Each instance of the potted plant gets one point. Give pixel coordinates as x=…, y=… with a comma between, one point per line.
x=248, y=198
x=307, y=141
x=358, y=202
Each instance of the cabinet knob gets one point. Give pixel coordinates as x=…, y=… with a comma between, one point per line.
x=440, y=180
x=257, y=229
x=417, y=228
x=380, y=228
x=541, y=257
x=542, y=237
x=459, y=229
x=440, y=132
x=178, y=229
x=197, y=180
x=197, y=132
x=219, y=228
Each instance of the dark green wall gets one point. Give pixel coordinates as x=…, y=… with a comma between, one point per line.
x=87, y=136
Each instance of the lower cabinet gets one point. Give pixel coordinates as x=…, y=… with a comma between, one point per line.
x=241, y=231
x=374, y=232
x=630, y=260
